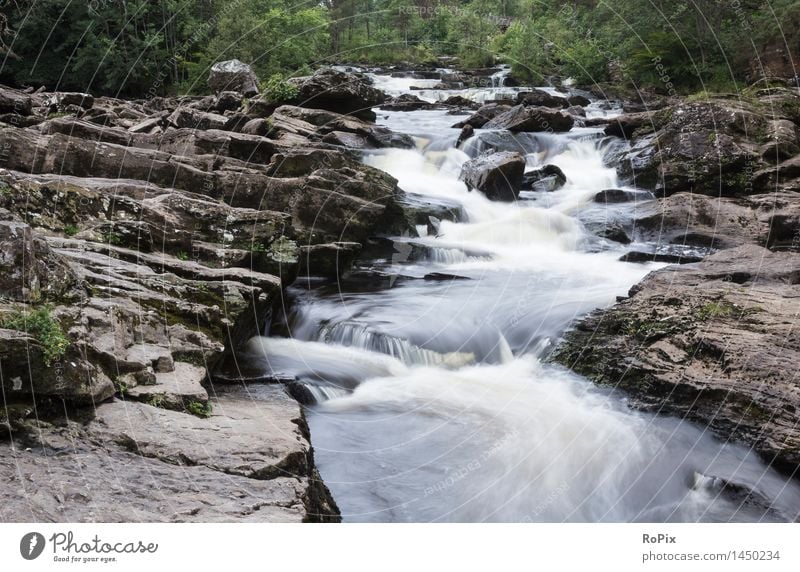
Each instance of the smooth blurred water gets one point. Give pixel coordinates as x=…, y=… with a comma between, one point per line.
x=433, y=404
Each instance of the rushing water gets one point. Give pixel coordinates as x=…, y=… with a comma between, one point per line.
x=432, y=401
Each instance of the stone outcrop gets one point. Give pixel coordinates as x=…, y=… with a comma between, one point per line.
x=711, y=342
x=338, y=91
x=720, y=146
x=143, y=243
x=248, y=461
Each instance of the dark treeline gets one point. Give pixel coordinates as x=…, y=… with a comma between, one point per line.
x=131, y=47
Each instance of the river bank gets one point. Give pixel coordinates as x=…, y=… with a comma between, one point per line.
x=412, y=317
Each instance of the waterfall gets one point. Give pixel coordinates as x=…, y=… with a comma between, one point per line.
x=432, y=402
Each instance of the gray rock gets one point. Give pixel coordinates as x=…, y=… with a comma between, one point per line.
x=532, y=119
x=498, y=176
x=782, y=141
x=548, y=178
x=708, y=342
x=249, y=462
x=340, y=92
x=483, y=115
x=233, y=75
x=538, y=97
x=14, y=101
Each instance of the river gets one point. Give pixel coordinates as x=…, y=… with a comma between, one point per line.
x=433, y=400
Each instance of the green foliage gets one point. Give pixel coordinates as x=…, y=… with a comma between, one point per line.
x=121, y=388
x=40, y=324
x=5, y=188
x=278, y=90
x=151, y=47
x=111, y=238
x=199, y=409
x=70, y=230
x=182, y=255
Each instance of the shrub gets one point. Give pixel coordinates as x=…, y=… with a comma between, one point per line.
x=278, y=90
x=40, y=324
x=199, y=409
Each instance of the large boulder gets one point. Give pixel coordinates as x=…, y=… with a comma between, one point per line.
x=338, y=91
x=13, y=101
x=710, y=147
x=483, y=115
x=627, y=124
x=540, y=98
x=233, y=75
x=532, y=119
x=498, y=176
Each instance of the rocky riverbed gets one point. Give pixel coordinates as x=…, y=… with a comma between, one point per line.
x=145, y=242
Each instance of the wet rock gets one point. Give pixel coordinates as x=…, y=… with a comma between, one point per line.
x=638, y=256
x=460, y=102
x=328, y=260
x=405, y=102
x=466, y=132
x=339, y=92
x=615, y=233
x=709, y=342
x=483, y=115
x=233, y=75
x=578, y=100
x=703, y=147
x=609, y=196
x=498, y=176
x=548, y=178
x=627, y=124
x=540, y=98
x=529, y=118
x=443, y=277
x=576, y=111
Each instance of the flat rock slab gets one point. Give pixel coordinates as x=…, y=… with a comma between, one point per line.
x=256, y=439
x=96, y=484
x=175, y=388
x=250, y=461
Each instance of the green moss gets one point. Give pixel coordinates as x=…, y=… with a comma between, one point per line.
x=199, y=409
x=716, y=310
x=5, y=188
x=723, y=309
x=111, y=237
x=40, y=324
x=121, y=388
x=157, y=400
x=70, y=230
